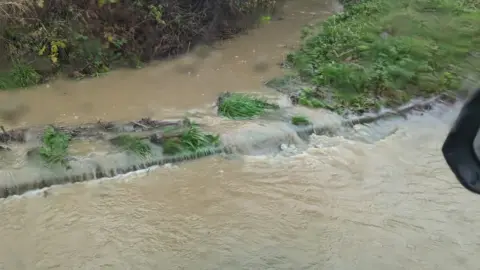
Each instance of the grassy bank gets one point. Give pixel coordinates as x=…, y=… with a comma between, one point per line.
x=383, y=53
x=86, y=38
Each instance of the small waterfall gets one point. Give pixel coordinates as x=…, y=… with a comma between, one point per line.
x=251, y=138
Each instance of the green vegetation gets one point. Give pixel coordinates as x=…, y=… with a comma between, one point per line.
x=191, y=140
x=21, y=75
x=132, y=144
x=300, y=120
x=242, y=106
x=383, y=53
x=88, y=38
x=54, y=149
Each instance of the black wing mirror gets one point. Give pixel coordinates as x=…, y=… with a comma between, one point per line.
x=458, y=149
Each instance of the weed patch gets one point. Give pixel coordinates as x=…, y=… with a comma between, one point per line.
x=132, y=144
x=54, y=149
x=191, y=140
x=242, y=106
x=20, y=76
x=382, y=53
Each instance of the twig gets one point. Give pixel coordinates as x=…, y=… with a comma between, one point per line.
x=139, y=124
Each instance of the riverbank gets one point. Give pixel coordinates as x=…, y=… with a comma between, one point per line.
x=379, y=53
x=43, y=38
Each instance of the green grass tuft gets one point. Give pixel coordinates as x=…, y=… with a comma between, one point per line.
x=20, y=76
x=54, y=149
x=243, y=106
x=132, y=144
x=383, y=53
x=190, y=141
x=300, y=120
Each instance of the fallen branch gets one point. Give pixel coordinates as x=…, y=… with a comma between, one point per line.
x=400, y=111
x=156, y=137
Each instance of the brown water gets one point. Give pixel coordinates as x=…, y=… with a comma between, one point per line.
x=353, y=203
x=341, y=204
x=169, y=88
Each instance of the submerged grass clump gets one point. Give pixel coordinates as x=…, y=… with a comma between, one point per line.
x=300, y=120
x=54, y=149
x=383, y=53
x=192, y=140
x=132, y=144
x=243, y=106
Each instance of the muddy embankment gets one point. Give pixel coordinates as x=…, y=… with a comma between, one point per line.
x=144, y=143
x=44, y=38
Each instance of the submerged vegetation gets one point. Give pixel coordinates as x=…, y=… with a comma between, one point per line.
x=382, y=53
x=132, y=144
x=175, y=139
x=300, y=120
x=191, y=140
x=88, y=38
x=242, y=106
x=54, y=149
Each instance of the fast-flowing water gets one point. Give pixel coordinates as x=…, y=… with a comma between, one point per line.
x=339, y=204
x=348, y=202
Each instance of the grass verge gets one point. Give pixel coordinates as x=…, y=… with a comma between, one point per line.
x=383, y=53
x=191, y=140
x=54, y=149
x=242, y=106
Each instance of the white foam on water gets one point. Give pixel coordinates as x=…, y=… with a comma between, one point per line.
x=127, y=177
x=261, y=138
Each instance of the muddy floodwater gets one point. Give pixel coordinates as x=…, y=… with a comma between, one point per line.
x=345, y=202
x=338, y=204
